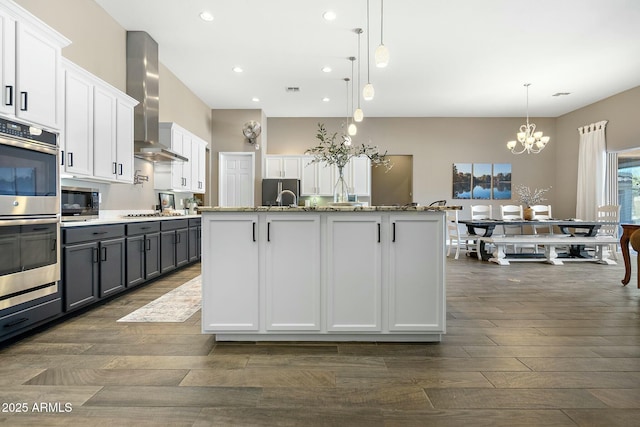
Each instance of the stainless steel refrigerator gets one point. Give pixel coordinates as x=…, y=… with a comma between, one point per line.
x=271, y=188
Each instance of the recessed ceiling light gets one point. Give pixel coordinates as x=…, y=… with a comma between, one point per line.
x=329, y=15
x=326, y=69
x=255, y=99
x=237, y=69
x=326, y=99
x=206, y=16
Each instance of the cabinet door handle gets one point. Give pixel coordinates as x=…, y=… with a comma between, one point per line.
x=95, y=256
x=25, y=99
x=115, y=168
x=378, y=232
x=393, y=239
x=8, y=92
x=54, y=246
x=96, y=233
x=104, y=253
x=254, y=231
x=148, y=244
x=16, y=322
x=70, y=162
x=268, y=231
x=120, y=166
x=178, y=238
x=62, y=158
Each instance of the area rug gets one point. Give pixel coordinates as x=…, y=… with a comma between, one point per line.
x=175, y=306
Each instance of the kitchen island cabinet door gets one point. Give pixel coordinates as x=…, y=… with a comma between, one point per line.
x=80, y=275
x=231, y=275
x=292, y=271
x=416, y=296
x=354, y=273
x=112, y=266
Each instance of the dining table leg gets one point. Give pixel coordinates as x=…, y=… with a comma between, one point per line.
x=627, y=231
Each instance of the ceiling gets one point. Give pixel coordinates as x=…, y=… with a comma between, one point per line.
x=453, y=58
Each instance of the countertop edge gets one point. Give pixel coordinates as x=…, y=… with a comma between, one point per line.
x=131, y=220
x=206, y=209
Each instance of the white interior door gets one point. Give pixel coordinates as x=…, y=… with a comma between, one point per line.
x=236, y=181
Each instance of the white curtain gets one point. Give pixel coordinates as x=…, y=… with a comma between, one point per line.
x=591, y=170
x=611, y=180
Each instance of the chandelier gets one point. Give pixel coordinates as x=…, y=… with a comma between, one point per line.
x=530, y=140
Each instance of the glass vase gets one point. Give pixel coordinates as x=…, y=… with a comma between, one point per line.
x=340, y=191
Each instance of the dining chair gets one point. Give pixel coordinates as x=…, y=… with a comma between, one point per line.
x=541, y=213
x=514, y=212
x=478, y=212
x=609, y=213
x=454, y=237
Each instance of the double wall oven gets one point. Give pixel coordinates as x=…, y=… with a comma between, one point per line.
x=29, y=214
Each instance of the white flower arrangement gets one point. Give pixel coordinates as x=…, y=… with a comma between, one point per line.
x=530, y=197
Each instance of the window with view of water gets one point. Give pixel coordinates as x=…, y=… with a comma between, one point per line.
x=629, y=189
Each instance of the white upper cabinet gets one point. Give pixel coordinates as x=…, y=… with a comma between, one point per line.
x=317, y=178
x=77, y=133
x=181, y=176
x=357, y=173
x=288, y=167
x=97, y=137
x=31, y=73
x=198, y=165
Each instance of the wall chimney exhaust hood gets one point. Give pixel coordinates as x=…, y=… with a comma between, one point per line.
x=142, y=85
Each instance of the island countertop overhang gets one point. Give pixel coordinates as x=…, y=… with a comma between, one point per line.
x=327, y=208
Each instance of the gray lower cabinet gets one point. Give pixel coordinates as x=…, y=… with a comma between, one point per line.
x=143, y=252
x=195, y=234
x=93, y=264
x=174, y=244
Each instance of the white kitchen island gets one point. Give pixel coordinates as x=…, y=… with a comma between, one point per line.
x=323, y=274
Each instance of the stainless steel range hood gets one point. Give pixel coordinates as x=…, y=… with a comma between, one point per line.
x=142, y=85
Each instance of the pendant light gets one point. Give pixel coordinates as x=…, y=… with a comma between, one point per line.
x=345, y=137
x=352, y=129
x=382, y=53
x=368, y=92
x=358, y=115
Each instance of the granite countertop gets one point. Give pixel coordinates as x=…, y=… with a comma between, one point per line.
x=328, y=209
x=124, y=220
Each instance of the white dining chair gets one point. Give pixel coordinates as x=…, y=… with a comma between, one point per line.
x=514, y=212
x=609, y=213
x=478, y=212
x=454, y=237
x=541, y=213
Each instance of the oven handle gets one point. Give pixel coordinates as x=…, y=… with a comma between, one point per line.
x=28, y=221
x=31, y=145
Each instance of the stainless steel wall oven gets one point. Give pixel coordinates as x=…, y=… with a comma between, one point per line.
x=29, y=214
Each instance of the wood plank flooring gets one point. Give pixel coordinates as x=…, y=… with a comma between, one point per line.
x=526, y=345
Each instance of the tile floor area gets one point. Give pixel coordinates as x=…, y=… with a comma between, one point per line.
x=527, y=345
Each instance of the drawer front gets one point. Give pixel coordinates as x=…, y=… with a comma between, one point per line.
x=143, y=228
x=174, y=224
x=30, y=316
x=195, y=222
x=92, y=233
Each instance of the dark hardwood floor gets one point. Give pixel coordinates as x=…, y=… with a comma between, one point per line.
x=526, y=345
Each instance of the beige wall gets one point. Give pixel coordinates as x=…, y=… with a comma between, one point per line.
x=435, y=143
x=227, y=137
x=623, y=113
x=99, y=46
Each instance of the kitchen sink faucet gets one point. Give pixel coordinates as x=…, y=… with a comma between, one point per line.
x=279, y=198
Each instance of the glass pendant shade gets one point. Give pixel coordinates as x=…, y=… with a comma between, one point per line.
x=358, y=115
x=352, y=129
x=382, y=56
x=368, y=92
